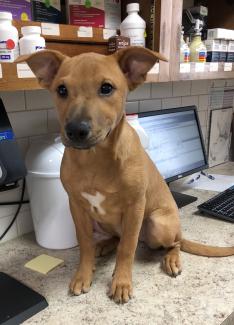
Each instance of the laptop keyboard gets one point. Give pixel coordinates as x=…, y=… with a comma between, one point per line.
x=221, y=205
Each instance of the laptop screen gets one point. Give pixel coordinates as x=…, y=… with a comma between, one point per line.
x=175, y=142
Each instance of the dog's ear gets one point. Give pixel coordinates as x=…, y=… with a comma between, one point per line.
x=135, y=62
x=44, y=64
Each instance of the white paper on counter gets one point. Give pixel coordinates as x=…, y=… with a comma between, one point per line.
x=219, y=184
x=0, y=71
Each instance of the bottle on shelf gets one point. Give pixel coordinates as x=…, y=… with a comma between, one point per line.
x=184, y=49
x=9, y=38
x=133, y=120
x=198, y=51
x=133, y=26
x=32, y=41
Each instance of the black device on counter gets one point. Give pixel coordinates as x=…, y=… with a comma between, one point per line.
x=176, y=144
x=17, y=301
x=12, y=167
x=221, y=205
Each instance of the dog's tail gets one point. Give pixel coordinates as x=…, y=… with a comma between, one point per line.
x=205, y=250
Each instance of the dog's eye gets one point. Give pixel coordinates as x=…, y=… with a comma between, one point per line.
x=106, y=89
x=62, y=91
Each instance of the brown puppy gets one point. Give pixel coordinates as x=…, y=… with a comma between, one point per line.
x=113, y=186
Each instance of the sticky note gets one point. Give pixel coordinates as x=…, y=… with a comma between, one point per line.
x=43, y=263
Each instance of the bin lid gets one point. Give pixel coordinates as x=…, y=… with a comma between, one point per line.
x=44, y=157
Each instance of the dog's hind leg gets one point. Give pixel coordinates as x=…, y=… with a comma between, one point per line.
x=106, y=246
x=162, y=229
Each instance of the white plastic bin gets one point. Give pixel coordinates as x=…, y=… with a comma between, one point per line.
x=53, y=224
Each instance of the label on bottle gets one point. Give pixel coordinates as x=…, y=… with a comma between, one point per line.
x=8, y=44
x=202, y=56
x=39, y=48
x=186, y=56
x=136, y=41
x=7, y=55
x=9, y=51
x=136, y=36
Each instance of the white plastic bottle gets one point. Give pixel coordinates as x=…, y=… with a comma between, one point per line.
x=32, y=40
x=133, y=26
x=198, y=51
x=9, y=38
x=134, y=122
x=184, y=50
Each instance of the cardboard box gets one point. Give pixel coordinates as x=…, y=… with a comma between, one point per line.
x=95, y=13
x=213, y=50
x=47, y=11
x=216, y=33
x=220, y=33
x=230, y=51
x=20, y=9
x=117, y=42
x=223, y=50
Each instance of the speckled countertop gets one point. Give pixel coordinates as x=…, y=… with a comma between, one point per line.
x=202, y=295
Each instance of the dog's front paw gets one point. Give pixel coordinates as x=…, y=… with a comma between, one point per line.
x=121, y=288
x=81, y=283
x=172, y=265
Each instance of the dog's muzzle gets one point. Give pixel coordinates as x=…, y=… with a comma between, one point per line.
x=78, y=133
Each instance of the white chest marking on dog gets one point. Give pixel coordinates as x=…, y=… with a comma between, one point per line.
x=95, y=201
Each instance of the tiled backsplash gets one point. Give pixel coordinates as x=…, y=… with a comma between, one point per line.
x=31, y=114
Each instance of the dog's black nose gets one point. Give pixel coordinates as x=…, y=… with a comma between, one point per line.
x=77, y=131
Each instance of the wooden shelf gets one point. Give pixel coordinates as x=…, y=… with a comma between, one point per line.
x=219, y=70
x=67, y=33
x=12, y=77
x=10, y=80
x=70, y=43
x=194, y=73
x=70, y=40
x=74, y=40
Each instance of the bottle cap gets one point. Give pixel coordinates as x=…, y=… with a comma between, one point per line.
x=5, y=15
x=26, y=30
x=133, y=7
